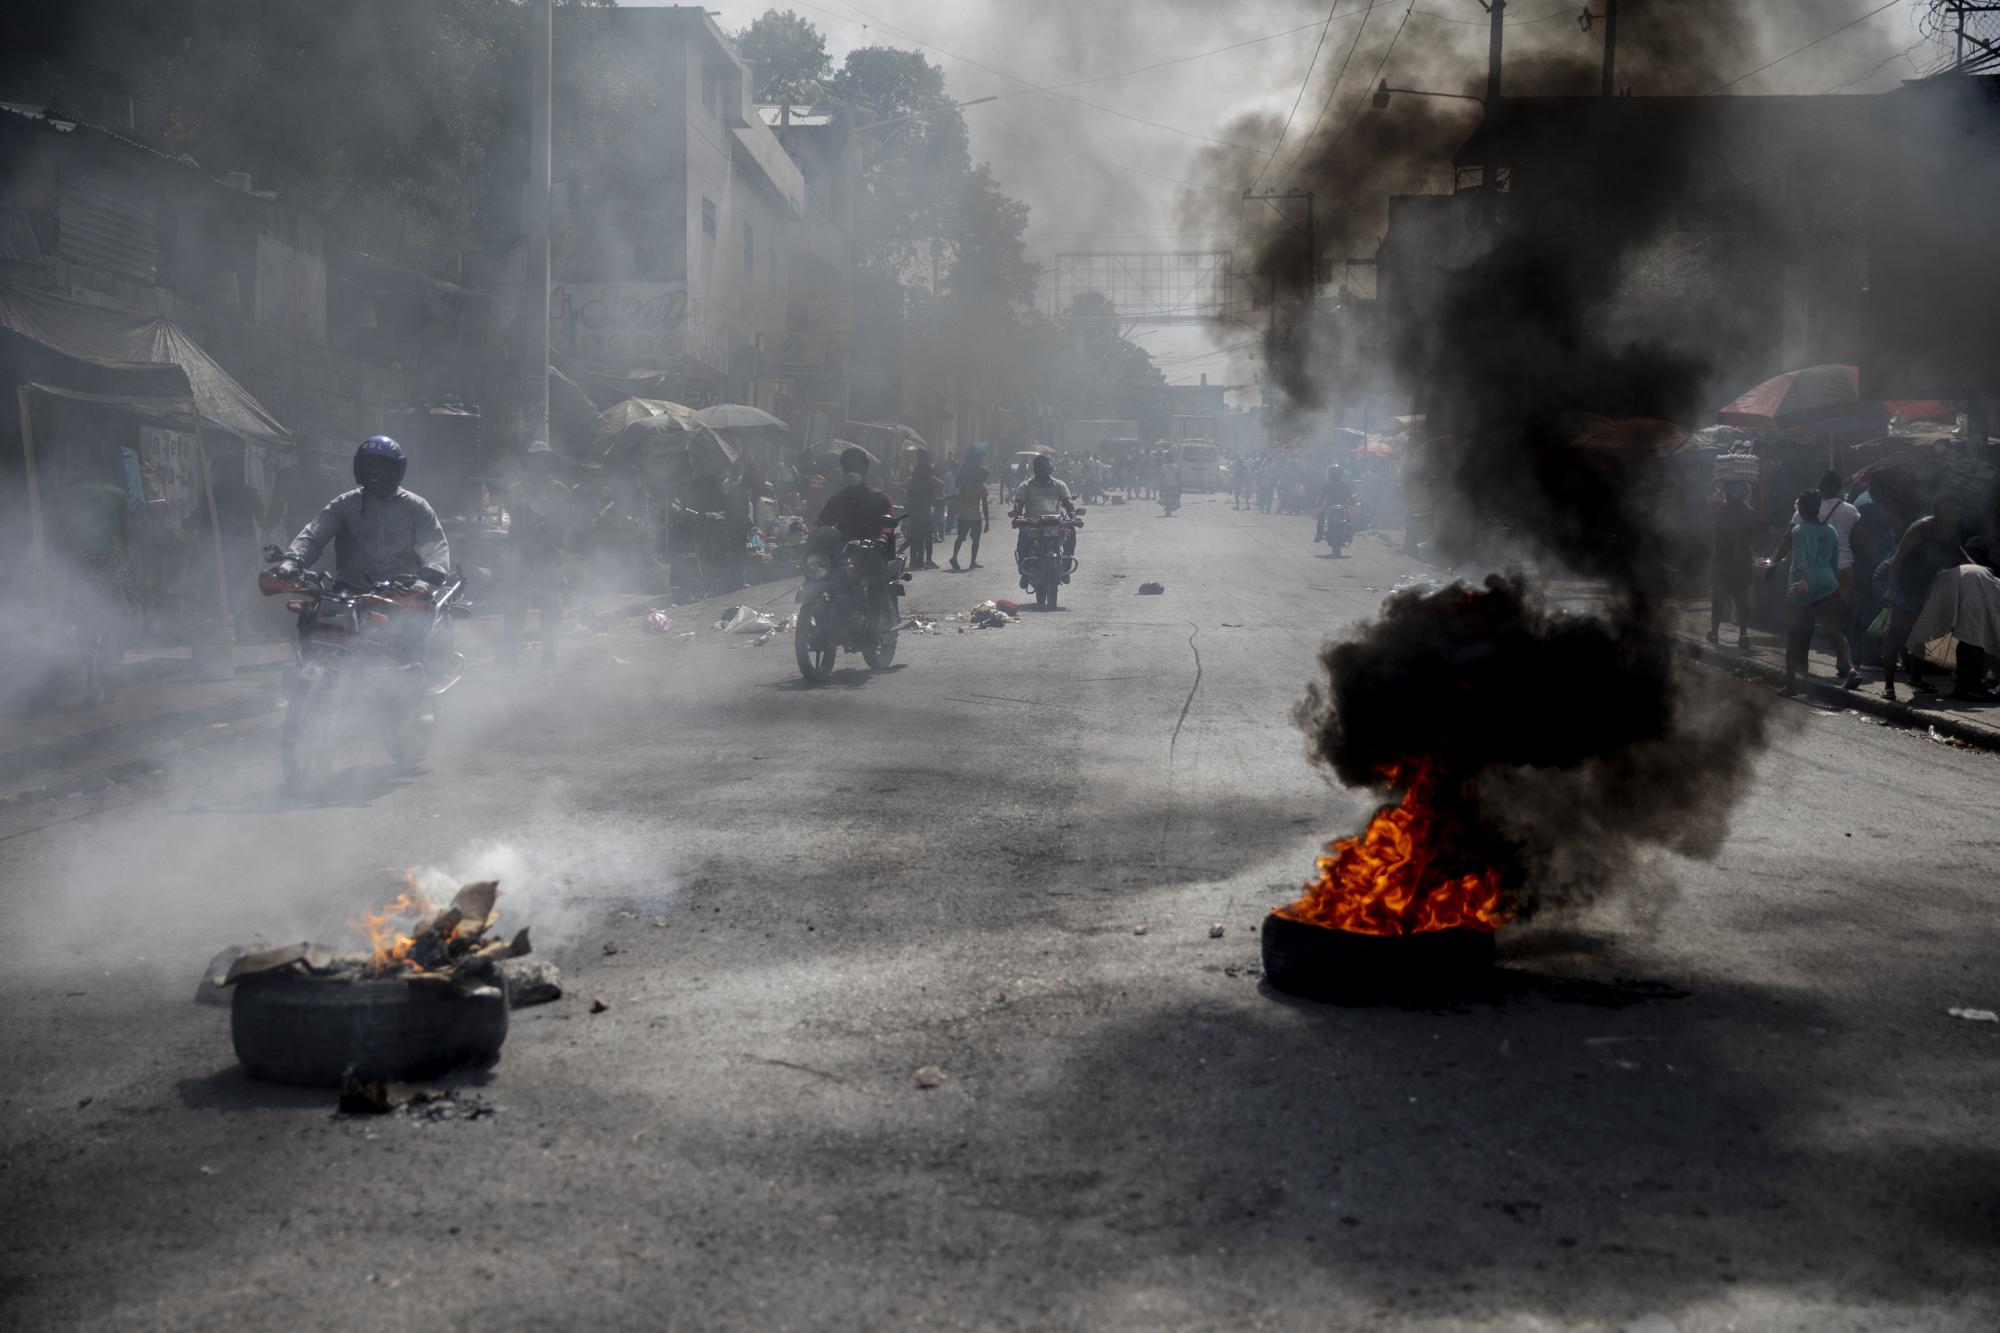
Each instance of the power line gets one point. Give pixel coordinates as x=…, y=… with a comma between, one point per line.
x=1303, y=85
x=1029, y=84
x=1564, y=12
x=1367, y=92
x=1163, y=64
x=1807, y=47
x=1332, y=89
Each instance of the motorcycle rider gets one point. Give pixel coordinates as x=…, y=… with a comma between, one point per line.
x=859, y=513
x=1334, y=493
x=1040, y=495
x=378, y=529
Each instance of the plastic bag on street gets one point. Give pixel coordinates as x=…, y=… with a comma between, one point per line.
x=658, y=622
x=747, y=621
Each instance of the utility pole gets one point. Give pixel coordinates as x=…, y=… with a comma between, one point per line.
x=1489, y=168
x=1497, y=10
x=1610, y=44
x=1312, y=241
x=535, y=200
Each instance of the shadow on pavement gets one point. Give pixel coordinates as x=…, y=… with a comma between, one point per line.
x=1528, y=1151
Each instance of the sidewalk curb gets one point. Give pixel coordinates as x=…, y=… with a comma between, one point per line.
x=146, y=734
x=1861, y=701
x=133, y=749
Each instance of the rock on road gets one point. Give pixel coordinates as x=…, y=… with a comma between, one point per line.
x=999, y=863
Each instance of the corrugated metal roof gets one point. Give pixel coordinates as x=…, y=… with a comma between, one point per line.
x=100, y=230
x=774, y=116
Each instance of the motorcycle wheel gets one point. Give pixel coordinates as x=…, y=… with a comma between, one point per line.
x=812, y=644
x=882, y=652
x=308, y=741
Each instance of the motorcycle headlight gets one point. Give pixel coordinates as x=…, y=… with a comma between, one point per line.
x=818, y=566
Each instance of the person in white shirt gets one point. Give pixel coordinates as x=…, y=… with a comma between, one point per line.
x=1040, y=495
x=1842, y=516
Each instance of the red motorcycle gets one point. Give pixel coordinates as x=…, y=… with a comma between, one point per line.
x=380, y=656
x=1047, y=563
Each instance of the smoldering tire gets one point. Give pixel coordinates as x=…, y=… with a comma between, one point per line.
x=312, y=1032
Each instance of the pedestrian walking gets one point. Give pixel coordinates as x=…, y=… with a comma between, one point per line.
x=1930, y=544
x=1730, y=562
x=1812, y=592
x=975, y=516
x=539, y=517
x=918, y=534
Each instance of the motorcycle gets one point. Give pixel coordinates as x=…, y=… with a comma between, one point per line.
x=849, y=599
x=1047, y=564
x=383, y=652
x=1336, y=524
x=1170, y=499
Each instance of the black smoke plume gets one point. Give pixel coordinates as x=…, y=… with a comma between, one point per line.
x=1571, y=748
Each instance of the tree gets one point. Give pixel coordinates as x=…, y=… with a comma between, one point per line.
x=790, y=55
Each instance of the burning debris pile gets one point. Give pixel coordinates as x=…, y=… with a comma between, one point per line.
x=428, y=995
x=1538, y=756
x=408, y=938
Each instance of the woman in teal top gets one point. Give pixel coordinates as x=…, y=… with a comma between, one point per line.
x=1812, y=596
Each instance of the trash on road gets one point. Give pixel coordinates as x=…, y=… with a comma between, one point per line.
x=598, y=1006
x=1943, y=739
x=529, y=982
x=657, y=622
x=1975, y=1015
x=917, y=626
x=1217, y=931
x=358, y=1097
x=744, y=620
x=1151, y=589
x=610, y=946
x=989, y=615
x=930, y=1076
x=1141, y=929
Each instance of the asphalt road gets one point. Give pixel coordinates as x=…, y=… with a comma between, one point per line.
x=1743, y=1106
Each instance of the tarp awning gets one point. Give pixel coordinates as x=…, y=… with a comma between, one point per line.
x=124, y=340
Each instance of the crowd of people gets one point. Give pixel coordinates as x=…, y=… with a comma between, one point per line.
x=1860, y=572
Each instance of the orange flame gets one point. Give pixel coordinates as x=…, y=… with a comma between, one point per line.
x=388, y=944
x=1397, y=877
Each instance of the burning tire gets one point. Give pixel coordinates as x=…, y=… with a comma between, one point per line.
x=288, y=1029
x=1338, y=965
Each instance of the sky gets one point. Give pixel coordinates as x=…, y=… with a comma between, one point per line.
x=1123, y=156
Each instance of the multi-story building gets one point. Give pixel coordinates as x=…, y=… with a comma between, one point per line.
x=676, y=206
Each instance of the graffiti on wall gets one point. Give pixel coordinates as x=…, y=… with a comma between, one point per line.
x=636, y=324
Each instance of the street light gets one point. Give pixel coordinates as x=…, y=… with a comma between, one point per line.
x=929, y=111
x=1381, y=97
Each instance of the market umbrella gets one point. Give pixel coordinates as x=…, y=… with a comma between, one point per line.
x=614, y=419
x=1639, y=436
x=1374, y=449
x=1920, y=409
x=737, y=416
x=894, y=428
x=1815, y=395
x=661, y=440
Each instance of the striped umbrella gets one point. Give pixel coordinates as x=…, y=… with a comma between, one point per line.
x=1814, y=396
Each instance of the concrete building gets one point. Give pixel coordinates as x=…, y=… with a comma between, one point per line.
x=677, y=209
x=808, y=357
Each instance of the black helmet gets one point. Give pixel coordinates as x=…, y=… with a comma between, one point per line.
x=385, y=450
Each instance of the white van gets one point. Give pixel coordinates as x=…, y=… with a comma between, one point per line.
x=1201, y=465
